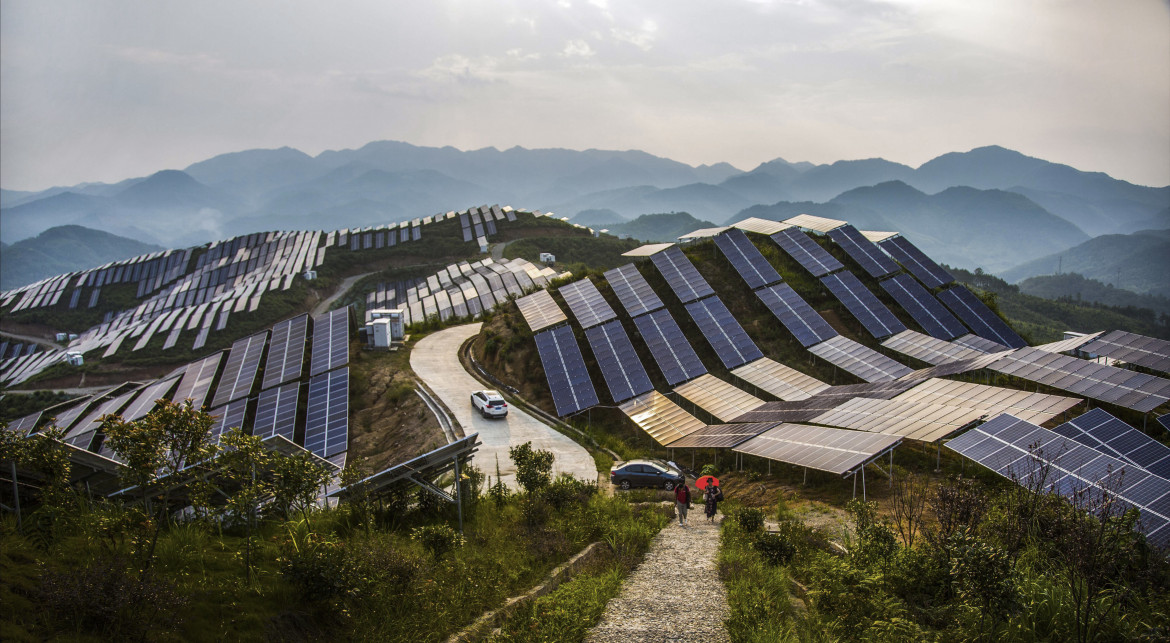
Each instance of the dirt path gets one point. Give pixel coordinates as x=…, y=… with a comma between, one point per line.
x=323, y=307
x=675, y=595
x=29, y=339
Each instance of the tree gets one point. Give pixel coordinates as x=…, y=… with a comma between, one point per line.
x=241, y=462
x=533, y=467
x=296, y=482
x=908, y=500
x=46, y=457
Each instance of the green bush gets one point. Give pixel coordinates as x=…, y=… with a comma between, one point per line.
x=567, y=490
x=774, y=548
x=437, y=539
x=709, y=470
x=750, y=519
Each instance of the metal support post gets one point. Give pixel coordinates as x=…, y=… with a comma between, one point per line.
x=459, y=494
x=863, y=483
x=16, y=494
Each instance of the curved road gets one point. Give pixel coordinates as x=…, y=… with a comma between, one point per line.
x=348, y=283
x=435, y=360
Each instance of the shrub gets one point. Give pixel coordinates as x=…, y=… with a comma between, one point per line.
x=750, y=519
x=437, y=539
x=709, y=470
x=533, y=467
x=566, y=490
x=104, y=599
x=774, y=548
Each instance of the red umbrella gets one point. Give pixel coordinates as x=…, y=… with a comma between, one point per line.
x=702, y=483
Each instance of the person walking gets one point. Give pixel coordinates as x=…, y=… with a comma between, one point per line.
x=682, y=502
x=711, y=498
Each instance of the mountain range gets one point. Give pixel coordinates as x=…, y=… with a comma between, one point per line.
x=63, y=249
x=1138, y=262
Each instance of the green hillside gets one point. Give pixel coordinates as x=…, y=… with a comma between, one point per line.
x=667, y=227
x=64, y=249
x=1139, y=262
x=1071, y=286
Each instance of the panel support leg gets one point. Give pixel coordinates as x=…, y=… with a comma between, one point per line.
x=459, y=494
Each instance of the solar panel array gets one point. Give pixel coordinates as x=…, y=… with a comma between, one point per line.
x=934, y=318
x=196, y=382
x=25, y=425
x=980, y=344
x=808, y=253
x=820, y=224
x=911, y=420
x=83, y=433
x=827, y=400
x=633, y=290
x=860, y=360
x=276, y=411
x=796, y=315
x=721, y=436
x=719, y=398
x=863, y=251
x=564, y=368
x=777, y=379
x=929, y=349
x=227, y=417
x=586, y=303
x=330, y=341
x=865, y=306
x=239, y=375
x=1024, y=452
x=1101, y=431
x=746, y=259
x=916, y=261
x=1133, y=349
x=992, y=400
x=64, y=419
x=144, y=403
x=327, y=417
x=620, y=366
x=660, y=418
x=540, y=310
x=979, y=317
x=1137, y=391
x=672, y=352
x=681, y=275
x=761, y=226
x=286, y=351
x=723, y=332
x=816, y=447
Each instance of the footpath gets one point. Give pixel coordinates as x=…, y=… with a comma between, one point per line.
x=675, y=594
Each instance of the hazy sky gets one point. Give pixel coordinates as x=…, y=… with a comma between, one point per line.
x=101, y=91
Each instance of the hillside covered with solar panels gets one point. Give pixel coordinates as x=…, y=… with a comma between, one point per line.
x=811, y=343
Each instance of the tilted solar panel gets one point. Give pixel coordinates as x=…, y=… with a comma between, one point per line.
x=681, y=275
x=865, y=306
x=83, y=433
x=239, y=374
x=721, y=399
x=916, y=261
x=746, y=259
x=1132, y=348
x=623, y=370
x=863, y=251
x=660, y=417
x=980, y=344
x=1164, y=420
x=228, y=417
x=25, y=425
x=564, y=368
x=276, y=411
x=721, y=436
x=144, y=403
x=929, y=349
x=934, y=318
x=672, y=352
x=539, y=309
x=806, y=252
x=836, y=451
x=979, y=317
x=1109, y=435
x=286, y=351
x=859, y=359
x=633, y=290
x=796, y=315
x=723, y=332
x=330, y=341
x=586, y=303
x=327, y=416
x=780, y=380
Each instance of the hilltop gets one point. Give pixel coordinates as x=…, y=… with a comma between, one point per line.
x=64, y=249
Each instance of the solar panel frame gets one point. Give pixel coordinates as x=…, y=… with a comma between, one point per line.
x=564, y=368
x=979, y=318
x=837, y=451
x=929, y=312
x=330, y=348
x=632, y=290
x=675, y=356
x=865, y=252
x=327, y=413
x=681, y=275
x=276, y=411
x=624, y=374
x=877, y=319
x=807, y=252
x=586, y=303
x=917, y=262
x=746, y=259
x=796, y=314
x=286, y=351
x=721, y=330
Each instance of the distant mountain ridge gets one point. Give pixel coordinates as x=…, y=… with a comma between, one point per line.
x=64, y=249
x=1139, y=262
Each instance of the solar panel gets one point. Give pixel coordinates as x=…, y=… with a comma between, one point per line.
x=721, y=436
x=826, y=400
x=816, y=447
x=623, y=371
x=671, y=350
x=746, y=259
x=761, y=226
x=865, y=306
x=979, y=317
x=1109, y=435
x=564, y=368
x=144, y=403
x=796, y=315
x=934, y=318
x=633, y=290
x=782, y=381
x=276, y=411
x=239, y=375
x=719, y=398
x=197, y=379
x=820, y=224
x=327, y=417
x=286, y=351
x=83, y=433
x=1164, y=420
x=916, y=261
x=1030, y=455
x=25, y=425
x=980, y=344
x=227, y=417
x=992, y=400
x=681, y=275
x=860, y=360
x=660, y=418
x=863, y=251
x=1137, y=391
x=539, y=309
x=808, y=253
x=330, y=341
x=1133, y=349
x=898, y=416
x=64, y=419
x=586, y=303
x=929, y=349
x=726, y=336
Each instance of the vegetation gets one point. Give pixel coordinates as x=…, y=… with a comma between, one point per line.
x=666, y=227
x=574, y=254
x=1073, y=287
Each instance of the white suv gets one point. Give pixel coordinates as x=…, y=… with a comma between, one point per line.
x=489, y=404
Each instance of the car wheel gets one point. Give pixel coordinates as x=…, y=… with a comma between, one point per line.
x=483, y=413
x=668, y=485
x=625, y=484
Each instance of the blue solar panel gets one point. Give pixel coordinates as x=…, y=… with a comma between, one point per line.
x=1100, y=430
x=286, y=351
x=863, y=251
x=796, y=315
x=979, y=317
x=746, y=259
x=726, y=336
x=1164, y=420
x=568, y=379
x=864, y=305
x=239, y=375
x=276, y=412
x=633, y=290
x=586, y=303
x=330, y=341
x=672, y=352
x=934, y=318
x=916, y=261
x=623, y=371
x=227, y=417
x=681, y=275
x=327, y=418
x=806, y=252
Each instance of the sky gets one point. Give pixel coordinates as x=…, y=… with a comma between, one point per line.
x=96, y=90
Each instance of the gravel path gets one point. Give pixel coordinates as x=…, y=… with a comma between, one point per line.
x=683, y=560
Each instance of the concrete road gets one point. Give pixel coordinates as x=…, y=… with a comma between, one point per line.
x=348, y=283
x=435, y=360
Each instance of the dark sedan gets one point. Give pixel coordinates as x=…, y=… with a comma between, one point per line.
x=645, y=473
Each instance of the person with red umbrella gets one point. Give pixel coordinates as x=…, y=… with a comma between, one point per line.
x=712, y=494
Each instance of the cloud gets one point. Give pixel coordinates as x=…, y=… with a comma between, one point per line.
x=577, y=48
